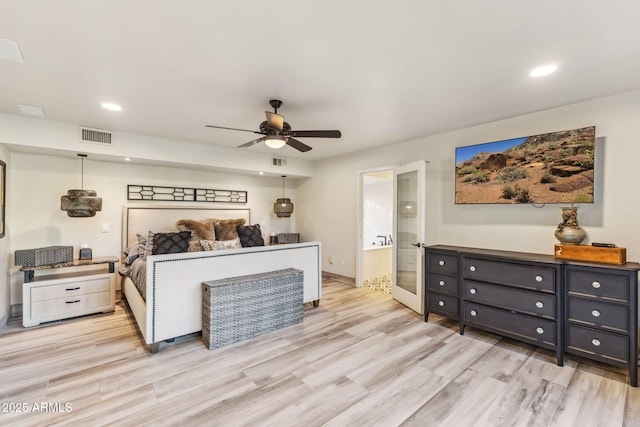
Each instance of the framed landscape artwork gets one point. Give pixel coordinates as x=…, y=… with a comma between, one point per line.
x=555, y=167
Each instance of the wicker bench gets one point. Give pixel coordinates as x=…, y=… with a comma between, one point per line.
x=238, y=308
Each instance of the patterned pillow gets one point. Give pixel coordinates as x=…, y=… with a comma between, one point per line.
x=171, y=243
x=250, y=235
x=145, y=245
x=217, y=245
x=226, y=228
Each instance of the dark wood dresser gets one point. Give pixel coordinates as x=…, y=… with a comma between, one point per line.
x=586, y=309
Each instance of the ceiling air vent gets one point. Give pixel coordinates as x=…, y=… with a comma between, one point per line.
x=95, y=135
x=279, y=162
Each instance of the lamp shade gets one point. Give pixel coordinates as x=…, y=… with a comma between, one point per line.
x=283, y=208
x=81, y=203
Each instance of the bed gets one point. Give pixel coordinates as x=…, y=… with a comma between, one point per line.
x=171, y=306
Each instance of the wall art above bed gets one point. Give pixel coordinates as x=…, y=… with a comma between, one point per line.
x=183, y=194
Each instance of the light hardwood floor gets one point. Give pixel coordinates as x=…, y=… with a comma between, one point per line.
x=360, y=359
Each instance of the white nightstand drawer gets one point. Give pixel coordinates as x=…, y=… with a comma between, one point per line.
x=70, y=289
x=70, y=306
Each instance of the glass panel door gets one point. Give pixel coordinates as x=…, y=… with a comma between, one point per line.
x=408, y=274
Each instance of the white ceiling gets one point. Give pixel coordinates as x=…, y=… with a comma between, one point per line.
x=380, y=71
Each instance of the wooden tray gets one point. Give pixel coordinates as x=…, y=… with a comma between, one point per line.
x=591, y=253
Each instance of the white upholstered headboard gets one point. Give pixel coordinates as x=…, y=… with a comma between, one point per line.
x=142, y=219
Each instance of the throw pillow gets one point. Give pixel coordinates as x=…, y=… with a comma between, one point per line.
x=171, y=243
x=200, y=230
x=226, y=228
x=148, y=244
x=217, y=245
x=250, y=235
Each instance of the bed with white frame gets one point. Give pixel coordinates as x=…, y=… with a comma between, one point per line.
x=172, y=306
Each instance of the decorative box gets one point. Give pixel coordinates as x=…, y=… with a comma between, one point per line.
x=44, y=256
x=591, y=253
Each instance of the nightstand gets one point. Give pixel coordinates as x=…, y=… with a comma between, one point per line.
x=70, y=293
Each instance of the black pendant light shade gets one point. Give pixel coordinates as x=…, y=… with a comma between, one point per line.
x=81, y=203
x=283, y=207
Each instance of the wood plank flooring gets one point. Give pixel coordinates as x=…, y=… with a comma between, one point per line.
x=360, y=359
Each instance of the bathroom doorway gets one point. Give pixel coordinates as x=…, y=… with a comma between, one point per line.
x=375, y=229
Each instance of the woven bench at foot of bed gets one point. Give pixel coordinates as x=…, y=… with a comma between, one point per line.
x=242, y=307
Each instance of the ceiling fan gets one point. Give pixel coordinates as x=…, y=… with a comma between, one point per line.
x=276, y=132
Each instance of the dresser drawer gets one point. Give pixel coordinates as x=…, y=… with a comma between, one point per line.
x=70, y=306
x=532, y=329
x=86, y=286
x=590, y=342
x=444, y=305
x=442, y=263
x=444, y=284
x=598, y=283
x=535, y=303
x=599, y=314
x=525, y=276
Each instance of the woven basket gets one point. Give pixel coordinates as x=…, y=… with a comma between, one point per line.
x=238, y=308
x=44, y=256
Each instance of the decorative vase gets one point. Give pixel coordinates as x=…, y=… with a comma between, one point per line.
x=569, y=231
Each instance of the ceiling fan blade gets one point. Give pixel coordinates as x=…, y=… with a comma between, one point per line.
x=275, y=121
x=243, y=130
x=250, y=143
x=316, y=133
x=294, y=143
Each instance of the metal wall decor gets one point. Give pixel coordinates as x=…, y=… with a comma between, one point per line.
x=184, y=194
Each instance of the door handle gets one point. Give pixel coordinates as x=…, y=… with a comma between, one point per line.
x=417, y=245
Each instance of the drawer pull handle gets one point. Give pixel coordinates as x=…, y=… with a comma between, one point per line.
x=441, y=283
x=441, y=262
x=472, y=291
x=472, y=268
x=539, y=304
x=538, y=278
x=72, y=302
x=474, y=313
x=441, y=303
x=595, y=342
x=72, y=289
x=539, y=330
x=595, y=313
x=596, y=285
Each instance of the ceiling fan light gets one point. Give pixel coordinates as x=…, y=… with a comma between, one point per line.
x=275, y=141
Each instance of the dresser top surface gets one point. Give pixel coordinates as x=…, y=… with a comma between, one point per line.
x=530, y=257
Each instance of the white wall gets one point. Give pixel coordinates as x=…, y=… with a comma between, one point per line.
x=5, y=257
x=37, y=182
x=331, y=192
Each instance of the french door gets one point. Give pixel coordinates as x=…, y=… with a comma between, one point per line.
x=409, y=235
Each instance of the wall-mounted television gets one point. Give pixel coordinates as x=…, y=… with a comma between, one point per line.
x=553, y=167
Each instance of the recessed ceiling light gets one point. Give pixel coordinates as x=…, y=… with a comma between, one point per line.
x=31, y=110
x=261, y=173
x=544, y=70
x=126, y=159
x=110, y=106
x=10, y=51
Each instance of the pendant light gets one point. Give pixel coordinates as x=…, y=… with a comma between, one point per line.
x=81, y=203
x=283, y=207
